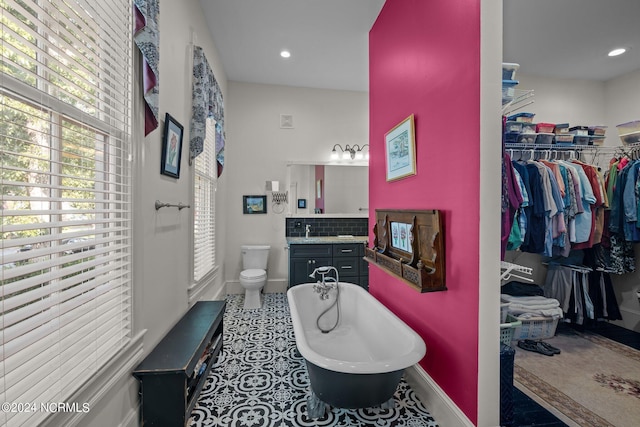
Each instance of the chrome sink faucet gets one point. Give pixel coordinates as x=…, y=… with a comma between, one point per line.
x=325, y=284
x=307, y=230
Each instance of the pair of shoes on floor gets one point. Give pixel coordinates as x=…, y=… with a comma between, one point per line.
x=538, y=347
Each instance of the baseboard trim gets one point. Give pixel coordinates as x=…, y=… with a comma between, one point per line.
x=132, y=419
x=630, y=319
x=443, y=409
x=276, y=286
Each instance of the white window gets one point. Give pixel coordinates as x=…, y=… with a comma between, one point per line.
x=65, y=194
x=204, y=231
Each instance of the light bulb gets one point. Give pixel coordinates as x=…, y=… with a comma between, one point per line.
x=617, y=52
x=334, y=155
x=359, y=155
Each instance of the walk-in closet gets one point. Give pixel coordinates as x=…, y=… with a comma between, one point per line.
x=570, y=236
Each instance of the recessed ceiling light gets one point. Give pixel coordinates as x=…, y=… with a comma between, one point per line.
x=618, y=51
x=285, y=54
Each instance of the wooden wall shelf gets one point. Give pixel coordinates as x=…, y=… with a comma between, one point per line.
x=409, y=244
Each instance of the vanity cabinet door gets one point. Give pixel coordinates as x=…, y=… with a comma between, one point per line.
x=303, y=259
x=301, y=268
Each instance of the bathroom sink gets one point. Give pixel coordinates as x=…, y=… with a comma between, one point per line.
x=313, y=239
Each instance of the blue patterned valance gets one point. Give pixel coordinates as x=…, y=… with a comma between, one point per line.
x=147, y=38
x=207, y=102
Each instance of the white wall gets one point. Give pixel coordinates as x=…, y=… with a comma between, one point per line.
x=258, y=150
x=574, y=101
x=162, y=241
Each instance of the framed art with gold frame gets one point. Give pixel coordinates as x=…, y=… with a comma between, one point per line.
x=400, y=150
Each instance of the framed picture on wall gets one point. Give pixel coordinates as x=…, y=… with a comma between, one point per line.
x=254, y=204
x=400, y=150
x=171, y=147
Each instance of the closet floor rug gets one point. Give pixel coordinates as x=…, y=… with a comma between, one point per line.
x=593, y=382
x=261, y=380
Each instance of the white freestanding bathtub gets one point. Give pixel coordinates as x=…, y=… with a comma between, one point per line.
x=359, y=363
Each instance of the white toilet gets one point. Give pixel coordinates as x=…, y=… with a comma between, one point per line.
x=254, y=274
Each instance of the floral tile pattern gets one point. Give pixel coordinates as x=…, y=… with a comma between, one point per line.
x=261, y=380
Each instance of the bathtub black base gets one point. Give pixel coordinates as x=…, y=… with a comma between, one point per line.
x=352, y=391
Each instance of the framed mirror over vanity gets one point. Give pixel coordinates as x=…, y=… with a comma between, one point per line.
x=329, y=188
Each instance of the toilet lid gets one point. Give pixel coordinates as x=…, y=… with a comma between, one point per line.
x=253, y=273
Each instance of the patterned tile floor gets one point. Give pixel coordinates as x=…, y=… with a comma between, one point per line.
x=260, y=379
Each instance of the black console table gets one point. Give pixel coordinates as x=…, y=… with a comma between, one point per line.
x=172, y=375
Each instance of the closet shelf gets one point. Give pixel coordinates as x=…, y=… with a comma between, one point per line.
x=521, y=99
x=577, y=147
x=508, y=269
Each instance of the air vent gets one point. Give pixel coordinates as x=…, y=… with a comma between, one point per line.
x=286, y=121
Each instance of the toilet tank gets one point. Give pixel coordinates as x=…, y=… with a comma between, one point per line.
x=255, y=256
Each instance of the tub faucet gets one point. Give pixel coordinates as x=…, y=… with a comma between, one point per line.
x=324, y=284
x=307, y=229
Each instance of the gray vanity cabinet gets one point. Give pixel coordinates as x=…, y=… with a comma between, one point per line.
x=347, y=258
x=303, y=259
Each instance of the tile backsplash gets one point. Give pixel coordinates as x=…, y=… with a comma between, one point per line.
x=327, y=226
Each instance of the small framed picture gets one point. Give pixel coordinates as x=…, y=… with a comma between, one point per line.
x=254, y=204
x=302, y=203
x=171, y=147
x=400, y=150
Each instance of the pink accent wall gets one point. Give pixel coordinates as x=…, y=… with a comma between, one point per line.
x=424, y=59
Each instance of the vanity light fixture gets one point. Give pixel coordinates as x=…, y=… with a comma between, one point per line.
x=350, y=152
x=285, y=54
x=617, y=52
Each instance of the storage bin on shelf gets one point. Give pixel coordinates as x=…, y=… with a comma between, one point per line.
x=565, y=139
x=534, y=328
x=545, y=138
x=528, y=128
x=521, y=117
x=561, y=128
x=513, y=126
x=527, y=138
x=545, y=127
x=511, y=137
x=579, y=130
x=509, y=70
x=508, y=90
x=629, y=132
x=597, y=130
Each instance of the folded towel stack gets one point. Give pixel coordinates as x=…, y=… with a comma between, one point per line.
x=533, y=306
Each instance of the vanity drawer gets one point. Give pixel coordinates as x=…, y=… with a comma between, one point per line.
x=310, y=251
x=348, y=250
x=347, y=266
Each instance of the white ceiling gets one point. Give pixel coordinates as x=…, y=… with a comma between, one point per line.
x=328, y=39
x=571, y=38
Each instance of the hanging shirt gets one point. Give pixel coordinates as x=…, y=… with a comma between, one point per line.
x=514, y=198
x=536, y=229
x=583, y=220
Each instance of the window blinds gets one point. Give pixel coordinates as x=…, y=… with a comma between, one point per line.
x=65, y=188
x=204, y=251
